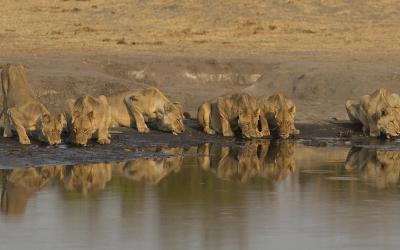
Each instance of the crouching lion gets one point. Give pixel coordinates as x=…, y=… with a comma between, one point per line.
x=24, y=111
x=136, y=107
x=379, y=113
x=380, y=168
x=87, y=117
x=229, y=114
x=277, y=115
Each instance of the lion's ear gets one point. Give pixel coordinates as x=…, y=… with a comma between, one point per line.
x=168, y=107
x=159, y=115
x=91, y=116
x=45, y=118
x=61, y=120
x=292, y=109
x=178, y=105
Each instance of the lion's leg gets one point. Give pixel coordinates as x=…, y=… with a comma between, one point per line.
x=16, y=118
x=352, y=109
x=203, y=158
x=139, y=119
x=225, y=125
x=103, y=135
x=295, y=131
x=264, y=126
x=204, y=118
x=7, y=125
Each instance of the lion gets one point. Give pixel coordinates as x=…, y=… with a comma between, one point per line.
x=278, y=114
x=272, y=161
x=377, y=167
x=153, y=170
x=87, y=178
x=229, y=114
x=19, y=184
x=379, y=113
x=134, y=108
x=87, y=117
x=24, y=111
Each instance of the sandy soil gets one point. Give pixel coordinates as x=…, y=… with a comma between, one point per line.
x=319, y=52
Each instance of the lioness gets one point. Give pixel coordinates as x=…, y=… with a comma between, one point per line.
x=22, y=109
x=136, y=107
x=279, y=112
x=87, y=177
x=377, y=167
x=270, y=160
x=230, y=113
x=18, y=185
x=152, y=170
x=379, y=113
x=88, y=116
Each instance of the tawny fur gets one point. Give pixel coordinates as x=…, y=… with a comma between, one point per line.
x=89, y=117
x=231, y=113
x=379, y=113
x=22, y=110
x=278, y=114
x=135, y=108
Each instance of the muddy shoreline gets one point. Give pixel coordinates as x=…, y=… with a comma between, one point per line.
x=128, y=144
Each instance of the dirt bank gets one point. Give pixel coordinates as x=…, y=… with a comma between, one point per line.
x=129, y=144
x=320, y=53
x=318, y=86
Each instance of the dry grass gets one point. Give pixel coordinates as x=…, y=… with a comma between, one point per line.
x=236, y=26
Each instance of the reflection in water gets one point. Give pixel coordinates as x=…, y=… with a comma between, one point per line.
x=380, y=168
x=270, y=201
x=270, y=160
x=151, y=171
x=87, y=178
x=20, y=184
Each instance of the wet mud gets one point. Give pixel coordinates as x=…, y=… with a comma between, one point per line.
x=128, y=144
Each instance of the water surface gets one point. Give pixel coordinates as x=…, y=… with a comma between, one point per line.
x=276, y=195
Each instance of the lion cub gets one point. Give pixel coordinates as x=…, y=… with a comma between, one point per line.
x=88, y=116
x=379, y=113
x=133, y=108
x=279, y=112
x=230, y=113
x=23, y=110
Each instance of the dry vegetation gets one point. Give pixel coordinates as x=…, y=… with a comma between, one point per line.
x=236, y=26
x=319, y=52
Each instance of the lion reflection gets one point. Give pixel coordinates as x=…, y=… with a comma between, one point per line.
x=20, y=184
x=87, y=178
x=380, y=168
x=153, y=170
x=270, y=160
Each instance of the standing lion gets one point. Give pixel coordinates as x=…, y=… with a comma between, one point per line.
x=24, y=111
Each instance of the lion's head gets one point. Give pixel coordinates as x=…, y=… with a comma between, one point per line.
x=248, y=122
x=83, y=127
x=50, y=128
x=171, y=119
x=387, y=122
x=281, y=119
x=87, y=178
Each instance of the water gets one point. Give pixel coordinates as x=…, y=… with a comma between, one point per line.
x=261, y=196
